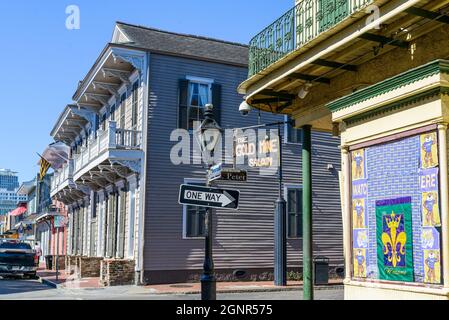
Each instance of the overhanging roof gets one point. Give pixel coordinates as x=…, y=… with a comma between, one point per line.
x=187, y=45
x=353, y=42
x=70, y=123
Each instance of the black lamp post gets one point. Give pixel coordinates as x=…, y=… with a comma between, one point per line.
x=208, y=135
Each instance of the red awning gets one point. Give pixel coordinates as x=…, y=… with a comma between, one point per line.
x=19, y=211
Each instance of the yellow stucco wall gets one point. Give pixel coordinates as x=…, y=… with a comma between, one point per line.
x=429, y=110
x=361, y=291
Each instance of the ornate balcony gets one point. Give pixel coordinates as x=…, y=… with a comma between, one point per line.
x=62, y=178
x=297, y=27
x=114, y=153
x=322, y=50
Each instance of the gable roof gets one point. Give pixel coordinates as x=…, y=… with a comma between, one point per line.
x=191, y=46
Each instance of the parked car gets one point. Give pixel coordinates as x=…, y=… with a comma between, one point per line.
x=17, y=258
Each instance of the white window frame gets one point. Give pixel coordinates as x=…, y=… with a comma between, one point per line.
x=287, y=187
x=199, y=80
x=184, y=210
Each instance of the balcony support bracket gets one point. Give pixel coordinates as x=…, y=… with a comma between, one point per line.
x=428, y=14
x=385, y=40
x=133, y=165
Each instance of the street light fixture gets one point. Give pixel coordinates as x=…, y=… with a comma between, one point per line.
x=208, y=135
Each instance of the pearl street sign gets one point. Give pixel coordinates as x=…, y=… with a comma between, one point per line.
x=209, y=197
x=234, y=175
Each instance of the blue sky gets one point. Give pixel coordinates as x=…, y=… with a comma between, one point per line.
x=41, y=61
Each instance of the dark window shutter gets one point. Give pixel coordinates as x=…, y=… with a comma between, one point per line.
x=183, y=104
x=121, y=240
x=96, y=124
x=216, y=101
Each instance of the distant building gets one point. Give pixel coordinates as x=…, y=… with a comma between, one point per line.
x=9, y=185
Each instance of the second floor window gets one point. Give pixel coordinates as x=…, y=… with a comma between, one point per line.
x=104, y=122
x=112, y=113
x=135, y=105
x=122, y=111
x=193, y=97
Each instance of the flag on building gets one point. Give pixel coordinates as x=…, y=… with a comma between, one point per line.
x=45, y=165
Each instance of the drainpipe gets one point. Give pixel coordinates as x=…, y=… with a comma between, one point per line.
x=307, y=212
x=143, y=174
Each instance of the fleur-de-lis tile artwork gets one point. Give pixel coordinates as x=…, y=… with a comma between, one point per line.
x=394, y=240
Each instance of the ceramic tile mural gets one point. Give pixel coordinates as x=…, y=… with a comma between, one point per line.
x=360, y=218
x=396, y=211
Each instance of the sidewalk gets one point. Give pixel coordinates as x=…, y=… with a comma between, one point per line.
x=70, y=282
x=64, y=280
x=238, y=287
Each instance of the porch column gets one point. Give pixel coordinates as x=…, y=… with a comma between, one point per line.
x=307, y=211
x=346, y=207
x=442, y=138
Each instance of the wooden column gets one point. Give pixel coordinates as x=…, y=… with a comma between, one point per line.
x=444, y=185
x=307, y=213
x=347, y=245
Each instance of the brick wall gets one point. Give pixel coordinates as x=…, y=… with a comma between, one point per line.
x=61, y=262
x=117, y=272
x=72, y=264
x=89, y=267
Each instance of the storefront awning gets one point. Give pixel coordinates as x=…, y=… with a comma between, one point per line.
x=19, y=211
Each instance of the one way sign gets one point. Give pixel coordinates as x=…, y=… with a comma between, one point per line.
x=209, y=197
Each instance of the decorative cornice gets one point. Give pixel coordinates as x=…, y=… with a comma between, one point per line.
x=122, y=75
x=110, y=87
x=396, y=82
x=135, y=60
x=101, y=98
x=133, y=165
x=86, y=114
x=398, y=105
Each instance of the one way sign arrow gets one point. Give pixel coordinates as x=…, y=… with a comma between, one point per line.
x=209, y=197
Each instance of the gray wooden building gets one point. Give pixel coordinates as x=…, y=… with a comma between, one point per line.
x=169, y=78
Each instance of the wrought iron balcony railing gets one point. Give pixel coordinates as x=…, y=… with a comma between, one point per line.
x=62, y=175
x=298, y=26
x=112, y=138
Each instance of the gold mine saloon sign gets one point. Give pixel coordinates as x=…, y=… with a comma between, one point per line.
x=260, y=154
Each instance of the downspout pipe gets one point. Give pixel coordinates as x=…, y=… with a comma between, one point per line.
x=143, y=172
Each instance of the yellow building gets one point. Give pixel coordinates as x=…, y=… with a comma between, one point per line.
x=374, y=73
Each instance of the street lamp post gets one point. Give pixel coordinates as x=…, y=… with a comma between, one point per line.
x=208, y=135
x=280, y=263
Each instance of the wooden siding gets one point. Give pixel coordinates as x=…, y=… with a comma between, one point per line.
x=244, y=238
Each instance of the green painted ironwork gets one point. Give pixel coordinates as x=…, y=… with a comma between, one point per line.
x=298, y=26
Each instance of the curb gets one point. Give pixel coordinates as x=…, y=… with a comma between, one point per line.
x=49, y=283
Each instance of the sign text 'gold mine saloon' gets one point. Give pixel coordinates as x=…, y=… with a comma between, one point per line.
x=260, y=152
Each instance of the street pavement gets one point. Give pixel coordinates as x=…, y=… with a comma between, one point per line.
x=17, y=289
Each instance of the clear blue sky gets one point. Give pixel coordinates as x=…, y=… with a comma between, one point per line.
x=41, y=61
